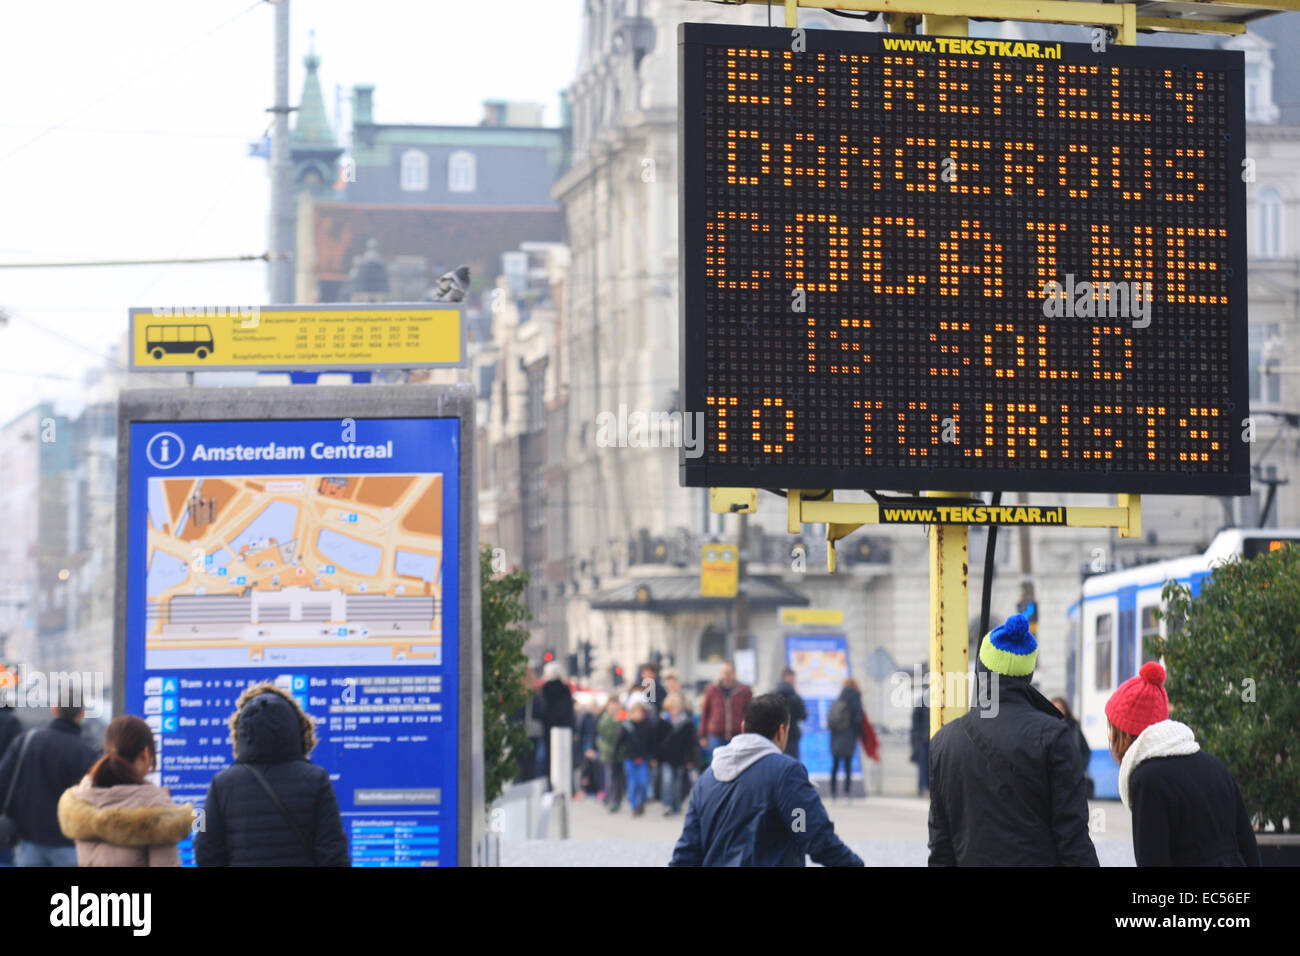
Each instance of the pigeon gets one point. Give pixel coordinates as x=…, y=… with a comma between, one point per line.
x=452, y=286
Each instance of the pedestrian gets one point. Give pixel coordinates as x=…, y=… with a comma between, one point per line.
x=272, y=806
x=116, y=816
x=10, y=727
x=557, y=711
x=755, y=805
x=637, y=745
x=38, y=766
x=588, y=762
x=798, y=711
x=678, y=752
x=608, y=730
x=535, y=727
x=1006, y=780
x=921, y=741
x=1085, y=751
x=653, y=690
x=844, y=720
x=723, y=709
x=673, y=685
x=1187, y=808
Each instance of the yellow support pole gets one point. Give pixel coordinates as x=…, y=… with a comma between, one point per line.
x=792, y=13
x=941, y=26
x=949, y=619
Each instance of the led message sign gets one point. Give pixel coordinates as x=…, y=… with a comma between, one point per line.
x=948, y=263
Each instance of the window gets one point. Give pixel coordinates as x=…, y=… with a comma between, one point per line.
x=1105, y=638
x=1262, y=348
x=1270, y=227
x=1150, y=628
x=415, y=171
x=713, y=644
x=1126, y=645
x=461, y=172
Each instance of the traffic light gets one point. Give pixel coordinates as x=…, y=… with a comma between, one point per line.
x=1029, y=607
x=586, y=659
x=572, y=665
x=616, y=675
x=548, y=656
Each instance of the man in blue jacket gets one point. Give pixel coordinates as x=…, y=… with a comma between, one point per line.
x=755, y=806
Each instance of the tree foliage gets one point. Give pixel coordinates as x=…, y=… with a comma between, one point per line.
x=1233, y=663
x=504, y=662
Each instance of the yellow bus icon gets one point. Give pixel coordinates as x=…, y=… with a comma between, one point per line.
x=163, y=340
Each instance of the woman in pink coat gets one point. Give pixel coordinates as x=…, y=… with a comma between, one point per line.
x=115, y=816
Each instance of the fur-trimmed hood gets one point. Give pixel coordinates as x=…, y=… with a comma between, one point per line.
x=134, y=815
x=268, y=726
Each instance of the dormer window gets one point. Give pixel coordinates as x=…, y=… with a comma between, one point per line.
x=461, y=175
x=1270, y=224
x=1260, y=107
x=415, y=171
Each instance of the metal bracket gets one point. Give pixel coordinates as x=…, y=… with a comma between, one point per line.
x=725, y=501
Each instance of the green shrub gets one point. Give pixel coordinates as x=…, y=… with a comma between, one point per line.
x=503, y=616
x=1233, y=663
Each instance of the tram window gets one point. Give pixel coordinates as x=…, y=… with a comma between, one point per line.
x=1150, y=628
x=1126, y=649
x=1105, y=638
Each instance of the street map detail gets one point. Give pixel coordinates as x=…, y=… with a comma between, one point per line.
x=327, y=560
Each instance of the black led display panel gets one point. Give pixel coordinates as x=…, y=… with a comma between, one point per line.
x=960, y=264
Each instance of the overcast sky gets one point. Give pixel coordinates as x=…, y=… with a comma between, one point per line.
x=124, y=134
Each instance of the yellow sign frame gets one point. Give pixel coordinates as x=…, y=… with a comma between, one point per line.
x=316, y=337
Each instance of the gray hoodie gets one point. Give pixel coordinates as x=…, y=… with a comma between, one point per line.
x=734, y=758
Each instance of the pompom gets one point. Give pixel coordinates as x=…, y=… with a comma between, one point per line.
x=1017, y=625
x=1153, y=673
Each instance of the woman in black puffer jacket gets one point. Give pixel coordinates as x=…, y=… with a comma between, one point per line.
x=241, y=823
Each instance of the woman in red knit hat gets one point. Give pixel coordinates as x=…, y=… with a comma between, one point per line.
x=1187, y=809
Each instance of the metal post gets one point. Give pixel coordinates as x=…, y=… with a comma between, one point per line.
x=742, y=587
x=949, y=619
x=282, y=213
x=562, y=774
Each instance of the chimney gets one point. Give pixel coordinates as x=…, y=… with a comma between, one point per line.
x=363, y=104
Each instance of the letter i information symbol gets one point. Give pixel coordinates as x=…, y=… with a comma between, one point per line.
x=165, y=450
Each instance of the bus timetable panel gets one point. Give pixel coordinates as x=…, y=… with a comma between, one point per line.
x=957, y=263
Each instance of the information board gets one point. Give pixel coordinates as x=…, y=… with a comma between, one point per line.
x=323, y=554
x=821, y=665
x=962, y=264
x=297, y=337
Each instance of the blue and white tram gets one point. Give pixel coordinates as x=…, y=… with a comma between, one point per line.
x=1118, y=615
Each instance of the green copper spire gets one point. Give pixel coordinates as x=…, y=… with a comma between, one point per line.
x=311, y=128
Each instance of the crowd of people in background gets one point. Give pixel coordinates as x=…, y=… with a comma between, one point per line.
x=651, y=741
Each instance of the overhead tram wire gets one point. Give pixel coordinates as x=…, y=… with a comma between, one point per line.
x=128, y=82
x=97, y=263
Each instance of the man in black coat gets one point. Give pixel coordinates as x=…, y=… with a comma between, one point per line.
x=1006, y=779
x=798, y=711
x=241, y=824
x=57, y=758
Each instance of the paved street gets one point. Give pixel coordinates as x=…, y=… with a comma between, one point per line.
x=884, y=831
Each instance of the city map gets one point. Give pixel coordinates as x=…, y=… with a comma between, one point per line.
x=324, y=560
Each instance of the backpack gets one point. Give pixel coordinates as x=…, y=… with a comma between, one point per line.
x=838, y=718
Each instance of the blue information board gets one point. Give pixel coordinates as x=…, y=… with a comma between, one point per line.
x=821, y=665
x=322, y=555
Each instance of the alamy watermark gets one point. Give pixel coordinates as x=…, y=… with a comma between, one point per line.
x=954, y=689
x=249, y=316
x=42, y=689
x=655, y=429
x=1087, y=300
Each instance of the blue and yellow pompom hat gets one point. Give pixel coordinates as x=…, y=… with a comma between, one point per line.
x=1010, y=650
